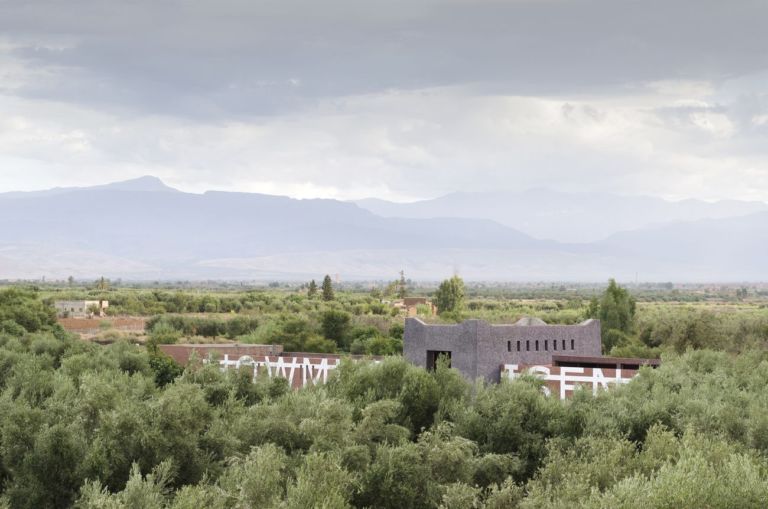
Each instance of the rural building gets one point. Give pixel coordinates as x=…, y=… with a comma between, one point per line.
x=563, y=357
x=80, y=308
x=410, y=305
x=479, y=349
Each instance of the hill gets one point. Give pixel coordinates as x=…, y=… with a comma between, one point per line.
x=566, y=217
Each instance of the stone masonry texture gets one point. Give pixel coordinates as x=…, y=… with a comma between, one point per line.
x=479, y=349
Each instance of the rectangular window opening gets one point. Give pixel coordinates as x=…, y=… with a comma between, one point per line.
x=527, y=346
x=434, y=355
x=546, y=345
x=563, y=344
x=554, y=344
x=572, y=345
x=518, y=346
x=509, y=346
x=537, y=345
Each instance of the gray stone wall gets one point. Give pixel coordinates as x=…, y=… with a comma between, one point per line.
x=478, y=349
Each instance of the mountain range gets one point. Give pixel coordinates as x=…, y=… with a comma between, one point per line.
x=565, y=217
x=143, y=229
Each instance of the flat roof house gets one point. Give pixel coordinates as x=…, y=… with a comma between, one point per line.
x=410, y=305
x=80, y=308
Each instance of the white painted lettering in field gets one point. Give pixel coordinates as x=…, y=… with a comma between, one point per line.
x=286, y=367
x=568, y=378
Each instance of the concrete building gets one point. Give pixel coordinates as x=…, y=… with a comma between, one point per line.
x=479, y=349
x=80, y=308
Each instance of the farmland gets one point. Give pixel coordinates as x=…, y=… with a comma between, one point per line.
x=360, y=318
x=118, y=425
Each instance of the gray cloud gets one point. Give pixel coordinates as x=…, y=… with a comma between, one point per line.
x=397, y=99
x=235, y=57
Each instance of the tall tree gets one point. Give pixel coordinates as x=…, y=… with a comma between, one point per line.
x=391, y=289
x=335, y=325
x=402, y=287
x=617, y=308
x=450, y=296
x=327, y=288
x=312, y=290
x=102, y=284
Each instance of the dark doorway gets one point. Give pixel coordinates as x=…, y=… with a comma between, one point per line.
x=433, y=355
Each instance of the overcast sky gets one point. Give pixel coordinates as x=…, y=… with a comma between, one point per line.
x=392, y=99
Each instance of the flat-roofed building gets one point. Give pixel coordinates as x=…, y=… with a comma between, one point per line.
x=479, y=349
x=410, y=306
x=81, y=308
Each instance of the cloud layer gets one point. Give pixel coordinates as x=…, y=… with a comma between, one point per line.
x=396, y=99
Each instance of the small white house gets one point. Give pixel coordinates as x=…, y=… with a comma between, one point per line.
x=80, y=308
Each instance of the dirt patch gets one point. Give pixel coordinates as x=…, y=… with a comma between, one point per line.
x=96, y=325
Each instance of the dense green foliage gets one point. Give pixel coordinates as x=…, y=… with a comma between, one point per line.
x=120, y=427
x=449, y=297
x=335, y=325
x=21, y=310
x=296, y=322
x=665, y=317
x=207, y=327
x=616, y=311
x=312, y=290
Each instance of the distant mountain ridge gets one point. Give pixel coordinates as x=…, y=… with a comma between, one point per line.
x=565, y=217
x=175, y=231
x=143, y=229
x=146, y=183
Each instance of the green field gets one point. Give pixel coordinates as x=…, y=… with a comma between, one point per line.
x=360, y=318
x=122, y=426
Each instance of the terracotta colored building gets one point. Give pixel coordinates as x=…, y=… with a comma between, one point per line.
x=410, y=305
x=182, y=353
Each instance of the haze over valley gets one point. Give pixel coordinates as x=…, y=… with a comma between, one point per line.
x=144, y=229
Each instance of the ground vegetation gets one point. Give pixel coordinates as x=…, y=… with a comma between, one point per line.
x=120, y=426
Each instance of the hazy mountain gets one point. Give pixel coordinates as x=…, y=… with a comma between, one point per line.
x=175, y=231
x=146, y=184
x=566, y=217
x=142, y=229
x=711, y=248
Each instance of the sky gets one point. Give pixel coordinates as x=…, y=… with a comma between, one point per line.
x=395, y=99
